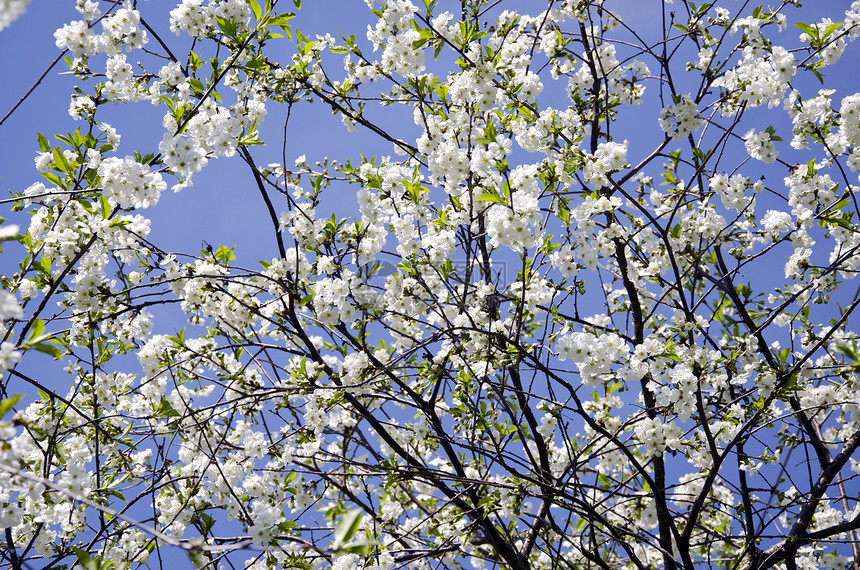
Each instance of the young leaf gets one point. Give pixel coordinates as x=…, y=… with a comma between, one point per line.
x=487, y=197
x=48, y=348
x=8, y=403
x=60, y=161
x=43, y=142
x=346, y=528
x=811, y=31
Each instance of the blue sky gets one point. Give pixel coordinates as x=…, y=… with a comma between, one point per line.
x=223, y=206
x=182, y=220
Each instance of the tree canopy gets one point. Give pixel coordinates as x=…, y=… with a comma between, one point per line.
x=592, y=306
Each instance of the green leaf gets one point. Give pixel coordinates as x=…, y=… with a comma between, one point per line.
x=105, y=206
x=255, y=8
x=77, y=139
x=703, y=9
x=817, y=74
x=165, y=409
x=811, y=31
x=830, y=29
x=281, y=19
x=791, y=384
x=346, y=528
x=83, y=555
x=227, y=26
x=194, y=60
x=839, y=205
x=256, y=64
x=64, y=138
x=93, y=562
x=849, y=351
x=53, y=179
x=203, y=522
x=836, y=221
x=168, y=102
x=116, y=494
x=48, y=348
x=61, y=162
x=43, y=142
x=36, y=330
x=196, y=84
x=224, y=254
x=357, y=548
x=8, y=403
x=487, y=197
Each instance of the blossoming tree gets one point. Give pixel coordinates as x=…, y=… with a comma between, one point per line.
x=593, y=310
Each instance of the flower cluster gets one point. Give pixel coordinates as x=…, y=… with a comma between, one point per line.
x=680, y=118
x=394, y=31
x=761, y=146
x=199, y=20
x=593, y=354
x=733, y=191
x=757, y=79
x=11, y=10
x=609, y=157
x=130, y=184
